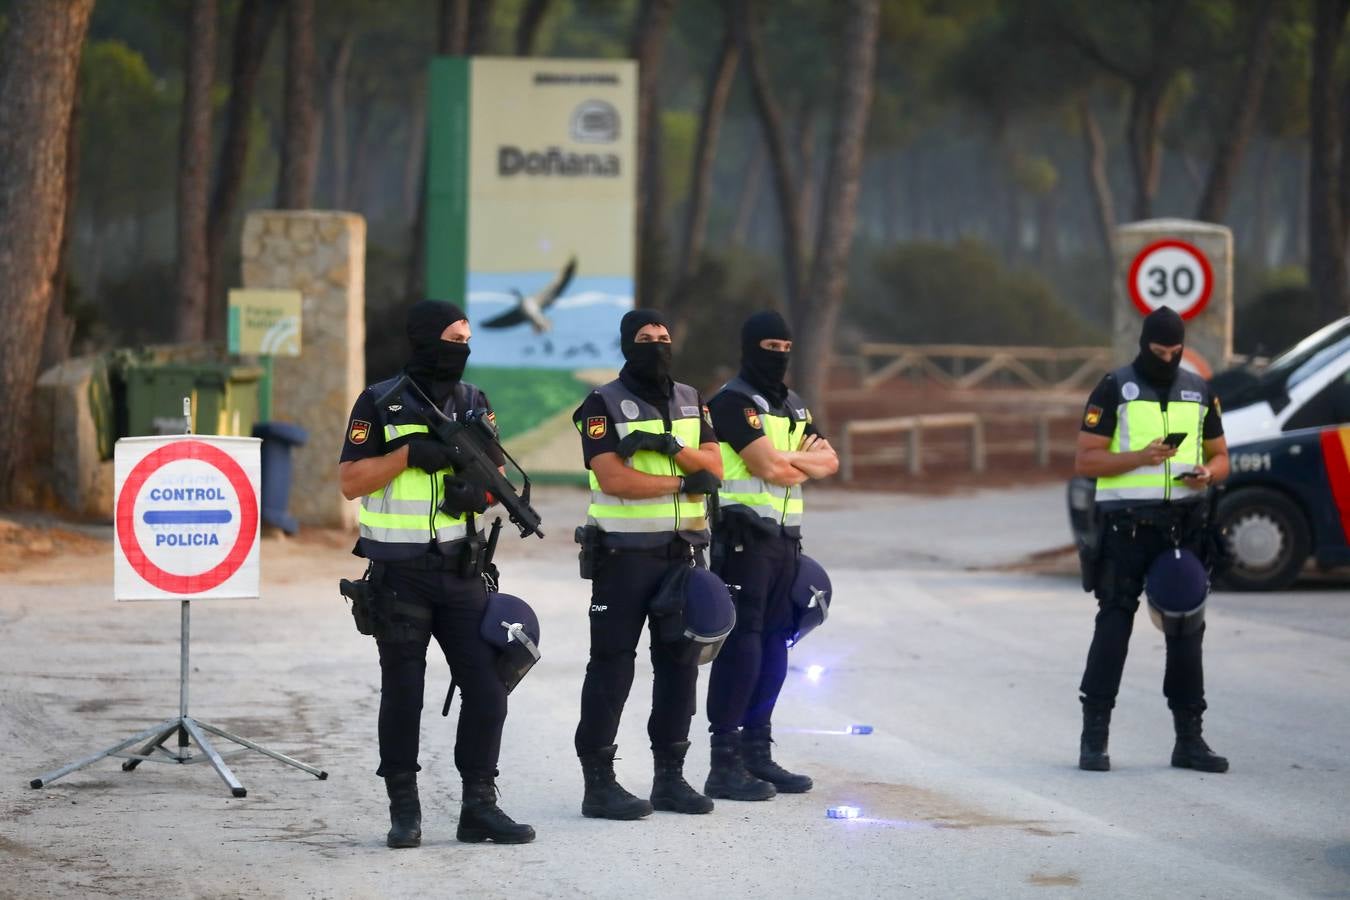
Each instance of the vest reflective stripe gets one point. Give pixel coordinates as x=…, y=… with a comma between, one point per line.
x=1142, y=420
x=740, y=486
x=657, y=514
x=404, y=511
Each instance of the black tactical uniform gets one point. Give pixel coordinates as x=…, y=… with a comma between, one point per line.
x=416, y=531
x=1144, y=513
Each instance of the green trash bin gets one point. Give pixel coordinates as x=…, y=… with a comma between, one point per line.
x=224, y=398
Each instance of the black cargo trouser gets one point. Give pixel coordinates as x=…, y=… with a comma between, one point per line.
x=748, y=674
x=457, y=606
x=621, y=591
x=1126, y=555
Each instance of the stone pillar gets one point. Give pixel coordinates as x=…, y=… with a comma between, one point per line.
x=1176, y=262
x=323, y=256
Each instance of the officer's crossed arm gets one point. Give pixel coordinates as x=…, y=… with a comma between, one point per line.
x=619, y=480
x=816, y=457
x=365, y=476
x=772, y=465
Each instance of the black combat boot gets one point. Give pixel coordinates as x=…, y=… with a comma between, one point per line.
x=1092, y=747
x=670, y=792
x=405, y=812
x=1191, y=751
x=755, y=745
x=605, y=798
x=727, y=777
x=480, y=819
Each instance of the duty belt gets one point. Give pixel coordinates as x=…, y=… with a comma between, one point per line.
x=432, y=562
x=676, y=549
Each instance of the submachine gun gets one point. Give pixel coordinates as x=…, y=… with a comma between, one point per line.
x=469, y=441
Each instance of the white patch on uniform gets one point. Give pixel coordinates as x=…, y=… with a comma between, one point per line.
x=1192, y=396
x=629, y=409
x=395, y=407
x=761, y=402
x=1129, y=390
x=688, y=410
x=801, y=413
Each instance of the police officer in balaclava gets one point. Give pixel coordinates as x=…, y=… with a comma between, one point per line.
x=417, y=525
x=770, y=447
x=653, y=460
x=1153, y=440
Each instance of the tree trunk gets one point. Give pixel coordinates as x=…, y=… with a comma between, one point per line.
x=416, y=160
x=1232, y=142
x=808, y=170
x=39, y=65
x=300, y=141
x=1326, y=228
x=528, y=28
x=338, y=138
x=194, y=171
x=748, y=199
x=1141, y=135
x=815, y=314
x=718, y=90
x=252, y=29
x=478, y=40
x=648, y=46
x=785, y=179
x=452, y=27
x=1103, y=204
x=60, y=330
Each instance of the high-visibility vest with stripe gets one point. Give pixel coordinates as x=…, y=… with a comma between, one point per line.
x=401, y=520
x=1142, y=419
x=656, y=520
x=784, y=427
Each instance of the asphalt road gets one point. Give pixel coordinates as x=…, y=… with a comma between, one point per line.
x=967, y=785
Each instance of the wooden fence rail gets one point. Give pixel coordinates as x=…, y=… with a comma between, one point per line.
x=965, y=366
x=973, y=424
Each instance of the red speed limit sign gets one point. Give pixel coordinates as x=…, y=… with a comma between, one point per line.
x=1171, y=273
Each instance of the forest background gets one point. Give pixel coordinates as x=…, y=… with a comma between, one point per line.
x=906, y=170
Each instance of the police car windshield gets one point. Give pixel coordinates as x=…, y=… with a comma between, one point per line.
x=1309, y=355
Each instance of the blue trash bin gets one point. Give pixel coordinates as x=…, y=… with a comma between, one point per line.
x=277, y=440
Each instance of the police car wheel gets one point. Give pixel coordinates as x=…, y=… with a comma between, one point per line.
x=1268, y=537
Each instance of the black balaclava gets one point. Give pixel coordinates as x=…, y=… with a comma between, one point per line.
x=1162, y=326
x=765, y=369
x=647, y=370
x=435, y=365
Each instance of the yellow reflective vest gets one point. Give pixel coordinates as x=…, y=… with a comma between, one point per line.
x=1140, y=420
x=654, y=521
x=401, y=520
x=742, y=490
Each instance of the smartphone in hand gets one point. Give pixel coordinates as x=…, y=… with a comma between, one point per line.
x=1174, y=439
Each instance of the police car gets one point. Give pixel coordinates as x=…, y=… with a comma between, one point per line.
x=1288, y=496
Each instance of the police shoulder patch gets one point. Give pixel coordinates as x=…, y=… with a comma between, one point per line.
x=1092, y=416
x=596, y=426
x=359, y=431
x=752, y=417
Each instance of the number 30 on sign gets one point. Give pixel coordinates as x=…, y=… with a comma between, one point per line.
x=1171, y=273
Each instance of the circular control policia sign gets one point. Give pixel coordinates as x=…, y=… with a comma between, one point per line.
x=186, y=517
x=1171, y=273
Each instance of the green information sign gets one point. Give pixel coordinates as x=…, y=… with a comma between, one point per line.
x=264, y=323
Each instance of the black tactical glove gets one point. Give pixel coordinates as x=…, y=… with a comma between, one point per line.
x=463, y=497
x=645, y=440
x=428, y=454
x=700, y=482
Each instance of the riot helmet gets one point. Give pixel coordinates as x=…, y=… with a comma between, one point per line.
x=811, y=597
x=1176, y=586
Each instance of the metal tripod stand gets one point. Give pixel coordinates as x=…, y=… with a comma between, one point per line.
x=185, y=727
